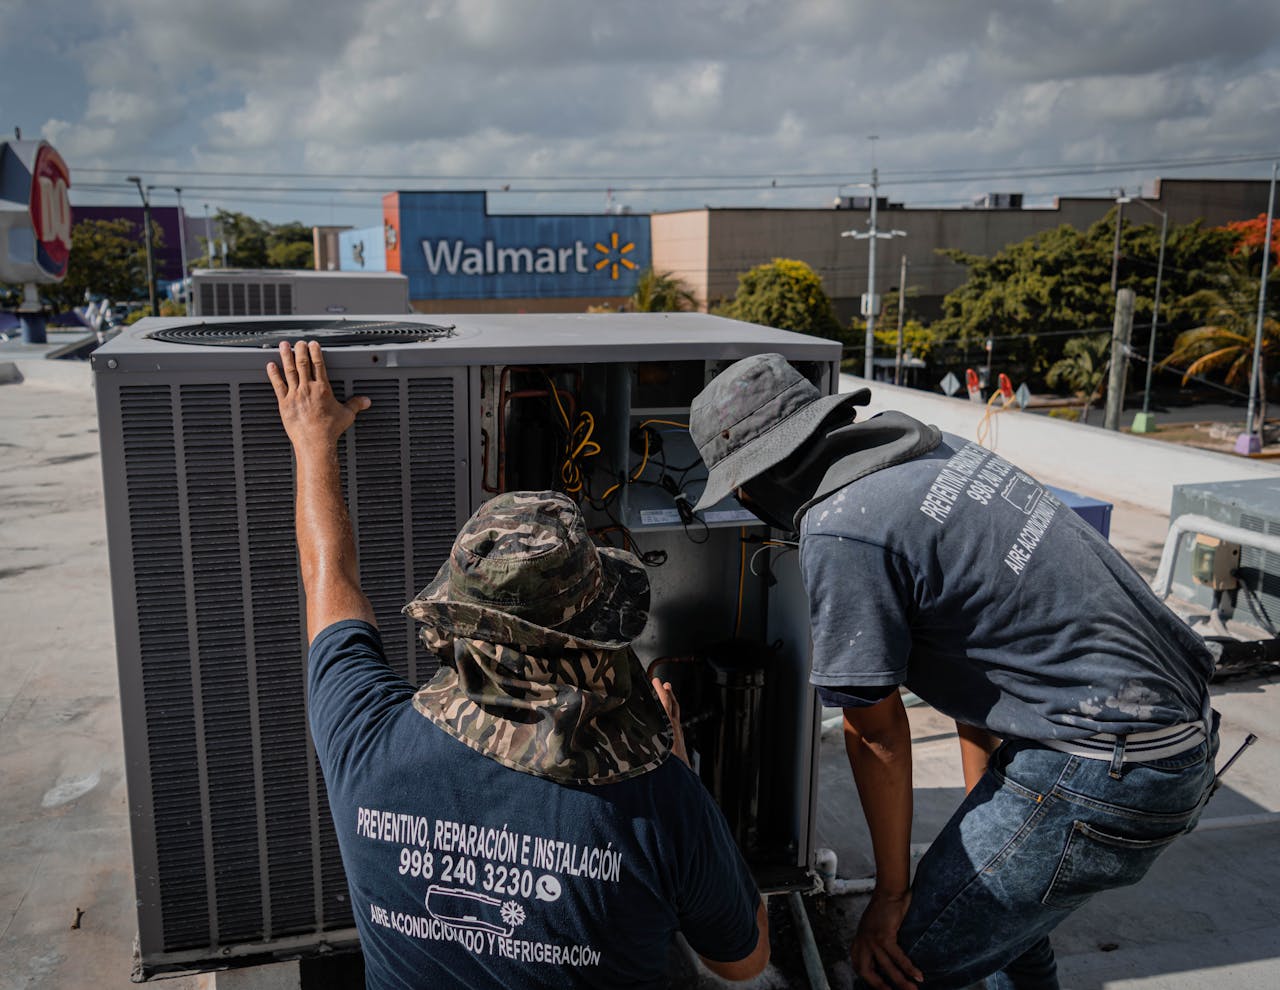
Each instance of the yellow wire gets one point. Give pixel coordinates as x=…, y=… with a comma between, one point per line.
x=578, y=444
x=663, y=422
x=985, y=424
x=644, y=461
x=555, y=394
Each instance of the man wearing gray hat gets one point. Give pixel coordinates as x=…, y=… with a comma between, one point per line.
x=517, y=821
x=933, y=564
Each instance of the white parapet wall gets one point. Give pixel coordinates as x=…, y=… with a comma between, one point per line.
x=1125, y=467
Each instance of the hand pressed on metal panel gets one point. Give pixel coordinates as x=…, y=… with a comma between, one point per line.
x=876, y=956
x=311, y=413
x=672, y=707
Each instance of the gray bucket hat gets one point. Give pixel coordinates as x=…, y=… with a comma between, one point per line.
x=753, y=415
x=523, y=571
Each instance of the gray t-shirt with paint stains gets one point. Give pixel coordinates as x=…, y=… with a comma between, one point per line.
x=961, y=577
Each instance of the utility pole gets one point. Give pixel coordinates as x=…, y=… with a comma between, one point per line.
x=182, y=244
x=1115, y=252
x=902, y=309
x=146, y=230
x=869, y=365
x=1121, y=331
x=208, y=238
x=872, y=234
x=1144, y=422
x=1250, y=442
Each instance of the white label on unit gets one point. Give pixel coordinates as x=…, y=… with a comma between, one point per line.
x=729, y=515
x=659, y=517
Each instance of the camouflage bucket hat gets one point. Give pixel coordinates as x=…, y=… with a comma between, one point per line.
x=523, y=571
x=753, y=415
x=569, y=715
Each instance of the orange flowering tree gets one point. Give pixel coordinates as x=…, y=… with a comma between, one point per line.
x=1252, y=233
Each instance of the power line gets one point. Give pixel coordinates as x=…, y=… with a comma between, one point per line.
x=966, y=173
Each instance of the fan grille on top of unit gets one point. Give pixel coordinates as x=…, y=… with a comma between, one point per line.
x=330, y=333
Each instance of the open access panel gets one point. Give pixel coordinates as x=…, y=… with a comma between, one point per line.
x=235, y=857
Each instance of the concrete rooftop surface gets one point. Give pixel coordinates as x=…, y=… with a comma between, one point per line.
x=1208, y=915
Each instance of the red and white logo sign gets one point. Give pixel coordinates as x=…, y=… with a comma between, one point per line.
x=51, y=211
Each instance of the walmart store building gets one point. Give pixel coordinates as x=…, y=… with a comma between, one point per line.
x=461, y=259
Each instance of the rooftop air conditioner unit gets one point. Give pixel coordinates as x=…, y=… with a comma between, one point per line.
x=1252, y=593
x=289, y=292
x=235, y=859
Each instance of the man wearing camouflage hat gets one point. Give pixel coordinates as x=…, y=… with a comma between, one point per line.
x=932, y=563
x=519, y=820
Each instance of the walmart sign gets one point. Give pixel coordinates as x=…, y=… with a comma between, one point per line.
x=451, y=247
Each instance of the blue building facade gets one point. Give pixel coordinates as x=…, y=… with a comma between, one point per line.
x=362, y=250
x=451, y=247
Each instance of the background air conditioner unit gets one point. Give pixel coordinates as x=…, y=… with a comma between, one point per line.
x=235, y=858
x=1254, y=574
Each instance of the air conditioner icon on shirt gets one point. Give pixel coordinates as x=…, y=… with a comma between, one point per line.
x=467, y=909
x=1022, y=493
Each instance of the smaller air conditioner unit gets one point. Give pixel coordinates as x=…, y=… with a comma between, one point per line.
x=287, y=292
x=1252, y=505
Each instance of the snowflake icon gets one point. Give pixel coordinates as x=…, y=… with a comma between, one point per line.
x=513, y=914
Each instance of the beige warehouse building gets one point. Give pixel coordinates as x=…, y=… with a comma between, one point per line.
x=709, y=248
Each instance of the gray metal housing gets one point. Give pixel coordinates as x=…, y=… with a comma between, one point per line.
x=1252, y=505
x=235, y=858
x=224, y=292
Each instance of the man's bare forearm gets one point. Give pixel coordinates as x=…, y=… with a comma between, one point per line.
x=326, y=546
x=314, y=420
x=878, y=743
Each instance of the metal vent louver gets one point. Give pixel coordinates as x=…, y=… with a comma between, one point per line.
x=233, y=842
x=1261, y=570
x=330, y=333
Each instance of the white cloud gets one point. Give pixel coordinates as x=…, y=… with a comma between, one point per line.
x=503, y=87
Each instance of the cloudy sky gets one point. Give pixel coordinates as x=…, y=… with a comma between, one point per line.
x=671, y=104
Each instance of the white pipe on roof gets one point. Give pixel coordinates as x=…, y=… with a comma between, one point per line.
x=1190, y=523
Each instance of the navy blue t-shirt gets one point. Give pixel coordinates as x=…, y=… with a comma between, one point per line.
x=963, y=578
x=465, y=873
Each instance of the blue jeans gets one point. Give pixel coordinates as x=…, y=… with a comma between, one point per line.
x=1040, y=834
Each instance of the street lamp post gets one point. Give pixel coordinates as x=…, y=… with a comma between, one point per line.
x=182, y=244
x=1250, y=442
x=208, y=238
x=872, y=234
x=1115, y=251
x=146, y=230
x=1145, y=421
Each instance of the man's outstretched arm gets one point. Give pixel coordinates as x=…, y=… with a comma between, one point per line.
x=314, y=420
x=877, y=740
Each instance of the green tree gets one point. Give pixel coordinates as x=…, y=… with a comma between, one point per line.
x=917, y=339
x=661, y=292
x=245, y=237
x=291, y=254
x=254, y=243
x=1029, y=293
x=290, y=245
x=1083, y=368
x=1223, y=343
x=108, y=258
x=787, y=294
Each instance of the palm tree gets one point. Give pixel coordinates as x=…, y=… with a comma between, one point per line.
x=1083, y=368
x=1224, y=342
x=661, y=292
